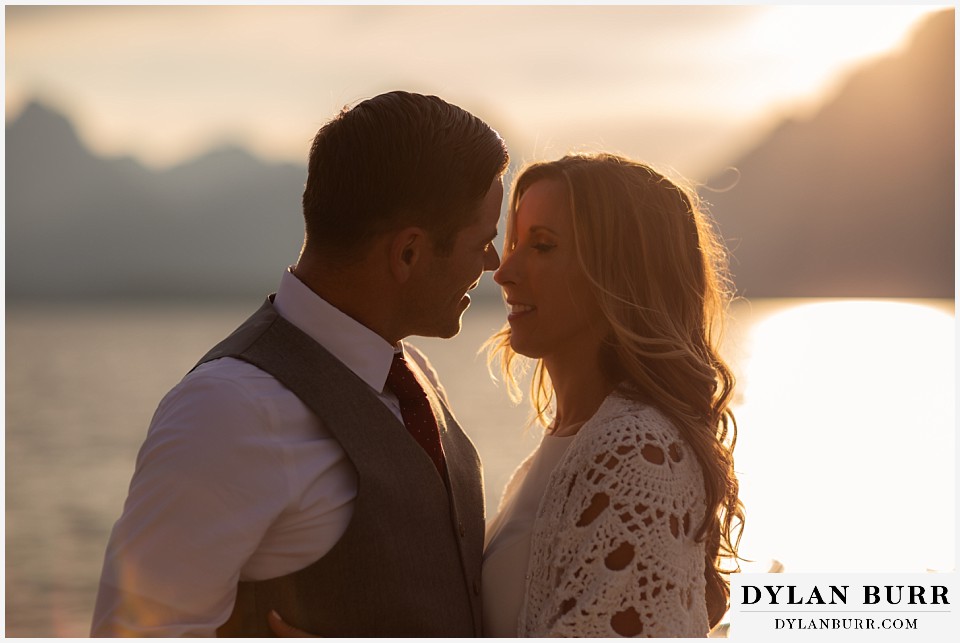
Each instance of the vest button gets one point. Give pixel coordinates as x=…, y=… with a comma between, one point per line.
x=476, y=587
x=463, y=532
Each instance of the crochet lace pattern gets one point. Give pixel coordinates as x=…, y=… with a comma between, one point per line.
x=613, y=549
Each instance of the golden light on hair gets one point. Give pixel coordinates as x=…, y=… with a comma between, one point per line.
x=659, y=276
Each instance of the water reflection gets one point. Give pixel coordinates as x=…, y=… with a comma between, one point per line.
x=846, y=454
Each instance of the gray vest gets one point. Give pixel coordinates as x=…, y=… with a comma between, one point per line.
x=408, y=564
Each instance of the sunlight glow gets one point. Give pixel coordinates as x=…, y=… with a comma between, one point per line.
x=680, y=84
x=812, y=43
x=846, y=449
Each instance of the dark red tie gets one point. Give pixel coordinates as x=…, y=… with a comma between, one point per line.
x=415, y=409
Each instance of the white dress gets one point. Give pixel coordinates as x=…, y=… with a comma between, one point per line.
x=611, y=550
x=507, y=550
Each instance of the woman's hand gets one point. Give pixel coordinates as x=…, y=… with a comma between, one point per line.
x=283, y=629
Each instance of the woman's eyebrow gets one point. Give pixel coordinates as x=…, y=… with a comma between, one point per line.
x=538, y=228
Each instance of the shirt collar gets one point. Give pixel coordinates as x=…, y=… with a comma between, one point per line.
x=360, y=349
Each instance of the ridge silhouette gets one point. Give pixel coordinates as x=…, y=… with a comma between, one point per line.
x=856, y=201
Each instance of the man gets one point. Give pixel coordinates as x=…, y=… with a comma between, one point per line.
x=279, y=474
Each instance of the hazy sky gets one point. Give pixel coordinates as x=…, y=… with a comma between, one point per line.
x=679, y=86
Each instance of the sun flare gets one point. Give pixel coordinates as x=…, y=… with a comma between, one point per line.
x=846, y=450
x=811, y=43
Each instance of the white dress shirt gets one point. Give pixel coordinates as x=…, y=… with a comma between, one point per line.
x=237, y=480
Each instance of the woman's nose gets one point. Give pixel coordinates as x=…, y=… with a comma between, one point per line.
x=504, y=275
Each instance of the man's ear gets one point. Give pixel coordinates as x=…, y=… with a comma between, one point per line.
x=407, y=248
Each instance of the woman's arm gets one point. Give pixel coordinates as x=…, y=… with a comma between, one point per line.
x=614, y=552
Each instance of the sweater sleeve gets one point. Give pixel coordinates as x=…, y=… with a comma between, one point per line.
x=614, y=550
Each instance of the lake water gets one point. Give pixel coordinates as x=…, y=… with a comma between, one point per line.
x=846, y=453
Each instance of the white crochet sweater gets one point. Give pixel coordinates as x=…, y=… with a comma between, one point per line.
x=613, y=550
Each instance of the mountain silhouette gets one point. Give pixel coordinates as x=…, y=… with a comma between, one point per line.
x=859, y=199
x=224, y=224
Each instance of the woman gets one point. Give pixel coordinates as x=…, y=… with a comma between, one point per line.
x=618, y=523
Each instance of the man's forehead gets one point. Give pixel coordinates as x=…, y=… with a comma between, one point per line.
x=489, y=215
x=485, y=218
x=482, y=229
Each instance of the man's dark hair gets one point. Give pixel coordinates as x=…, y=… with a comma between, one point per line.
x=395, y=160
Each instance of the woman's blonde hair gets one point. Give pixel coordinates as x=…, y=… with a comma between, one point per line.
x=659, y=275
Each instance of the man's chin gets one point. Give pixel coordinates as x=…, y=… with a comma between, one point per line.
x=448, y=325
x=442, y=329
x=451, y=330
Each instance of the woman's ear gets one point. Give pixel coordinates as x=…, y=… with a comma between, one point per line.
x=407, y=248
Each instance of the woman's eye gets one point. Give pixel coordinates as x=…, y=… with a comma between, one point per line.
x=543, y=247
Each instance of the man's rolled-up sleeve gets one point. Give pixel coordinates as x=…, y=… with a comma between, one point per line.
x=207, y=486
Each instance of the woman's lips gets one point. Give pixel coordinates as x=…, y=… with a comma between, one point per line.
x=516, y=310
